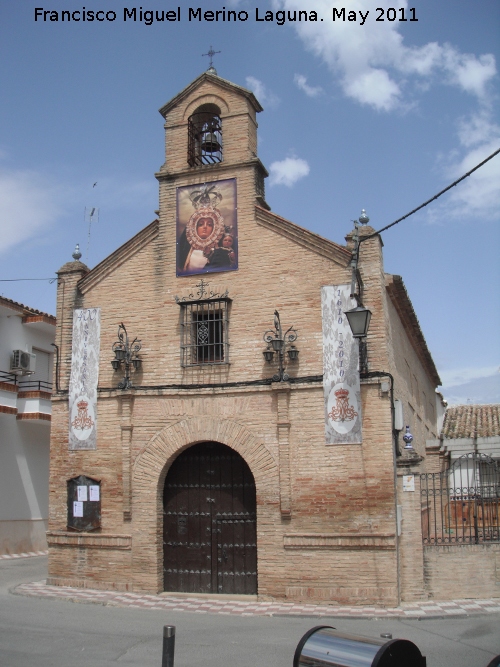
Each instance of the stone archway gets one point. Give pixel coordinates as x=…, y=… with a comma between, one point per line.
x=150, y=470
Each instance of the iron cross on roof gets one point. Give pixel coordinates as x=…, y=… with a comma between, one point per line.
x=211, y=55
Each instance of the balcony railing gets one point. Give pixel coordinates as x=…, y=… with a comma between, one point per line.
x=25, y=384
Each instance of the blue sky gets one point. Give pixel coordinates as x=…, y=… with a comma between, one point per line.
x=378, y=116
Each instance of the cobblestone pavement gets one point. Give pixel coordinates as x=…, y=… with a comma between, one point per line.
x=420, y=610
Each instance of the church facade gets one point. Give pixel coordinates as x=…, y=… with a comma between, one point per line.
x=217, y=453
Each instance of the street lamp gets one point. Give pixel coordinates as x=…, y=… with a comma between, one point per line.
x=126, y=353
x=359, y=317
x=277, y=342
x=359, y=320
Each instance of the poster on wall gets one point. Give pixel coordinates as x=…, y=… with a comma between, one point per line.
x=207, y=229
x=341, y=386
x=83, y=380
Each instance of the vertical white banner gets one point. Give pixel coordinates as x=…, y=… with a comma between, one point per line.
x=83, y=380
x=341, y=384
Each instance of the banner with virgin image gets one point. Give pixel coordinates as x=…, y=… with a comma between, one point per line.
x=83, y=380
x=341, y=386
x=207, y=228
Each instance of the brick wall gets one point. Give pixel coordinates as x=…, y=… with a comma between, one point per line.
x=462, y=571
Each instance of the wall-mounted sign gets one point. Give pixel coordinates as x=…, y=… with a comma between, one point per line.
x=409, y=483
x=84, y=503
x=207, y=228
x=83, y=380
x=341, y=385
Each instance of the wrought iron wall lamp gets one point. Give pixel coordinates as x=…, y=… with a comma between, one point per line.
x=126, y=353
x=281, y=344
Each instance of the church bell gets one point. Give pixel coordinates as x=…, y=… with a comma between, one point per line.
x=210, y=142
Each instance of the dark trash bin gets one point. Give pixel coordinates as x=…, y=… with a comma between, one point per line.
x=323, y=646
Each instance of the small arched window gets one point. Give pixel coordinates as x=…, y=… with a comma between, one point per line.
x=205, y=136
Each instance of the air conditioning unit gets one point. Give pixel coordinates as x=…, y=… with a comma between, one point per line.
x=22, y=363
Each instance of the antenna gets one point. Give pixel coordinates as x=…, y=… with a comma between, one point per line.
x=91, y=215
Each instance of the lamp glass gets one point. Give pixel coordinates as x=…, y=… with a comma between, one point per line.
x=293, y=353
x=120, y=353
x=268, y=355
x=277, y=344
x=359, y=320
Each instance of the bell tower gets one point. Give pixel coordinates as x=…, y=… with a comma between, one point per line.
x=211, y=134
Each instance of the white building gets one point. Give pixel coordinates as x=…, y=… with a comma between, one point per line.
x=26, y=359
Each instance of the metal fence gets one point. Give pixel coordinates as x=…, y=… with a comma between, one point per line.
x=461, y=504
x=25, y=384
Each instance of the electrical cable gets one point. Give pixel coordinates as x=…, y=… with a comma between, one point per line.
x=364, y=238
x=16, y=280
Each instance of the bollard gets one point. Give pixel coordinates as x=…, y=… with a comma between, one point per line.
x=168, y=646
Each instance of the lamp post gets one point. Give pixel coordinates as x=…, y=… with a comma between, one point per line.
x=359, y=321
x=359, y=317
x=126, y=354
x=277, y=343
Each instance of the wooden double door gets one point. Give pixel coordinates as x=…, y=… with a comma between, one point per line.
x=210, y=532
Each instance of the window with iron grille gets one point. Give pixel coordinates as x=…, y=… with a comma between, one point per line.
x=204, y=332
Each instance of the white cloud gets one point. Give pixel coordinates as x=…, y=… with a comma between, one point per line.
x=468, y=72
x=477, y=390
x=459, y=376
x=374, y=87
x=479, y=194
x=310, y=91
x=29, y=206
x=375, y=67
x=288, y=171
x=260, y=91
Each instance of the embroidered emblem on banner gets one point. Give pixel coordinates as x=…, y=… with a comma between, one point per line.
x=84, y=376
x=341, y=385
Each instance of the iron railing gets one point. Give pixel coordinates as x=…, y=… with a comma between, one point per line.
x=10, y=378
x=25, y=385
x=461, y=505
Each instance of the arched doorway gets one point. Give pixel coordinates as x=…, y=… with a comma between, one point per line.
x=209, y=529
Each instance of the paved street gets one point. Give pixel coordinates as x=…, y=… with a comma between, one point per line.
x=42, y=627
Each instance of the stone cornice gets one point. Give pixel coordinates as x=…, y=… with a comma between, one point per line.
x=46, y=319
x=401, y=301
x=35, y=394
x=118, y=257
x=336, y=541
x=209, y=172
x=33, y=416
x=6, y=386
x=95, y=540
x=214, y=80
x=321, y=246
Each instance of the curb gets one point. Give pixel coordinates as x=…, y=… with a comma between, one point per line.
x=421, y=612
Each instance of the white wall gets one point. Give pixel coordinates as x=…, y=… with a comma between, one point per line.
x=24, y=444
